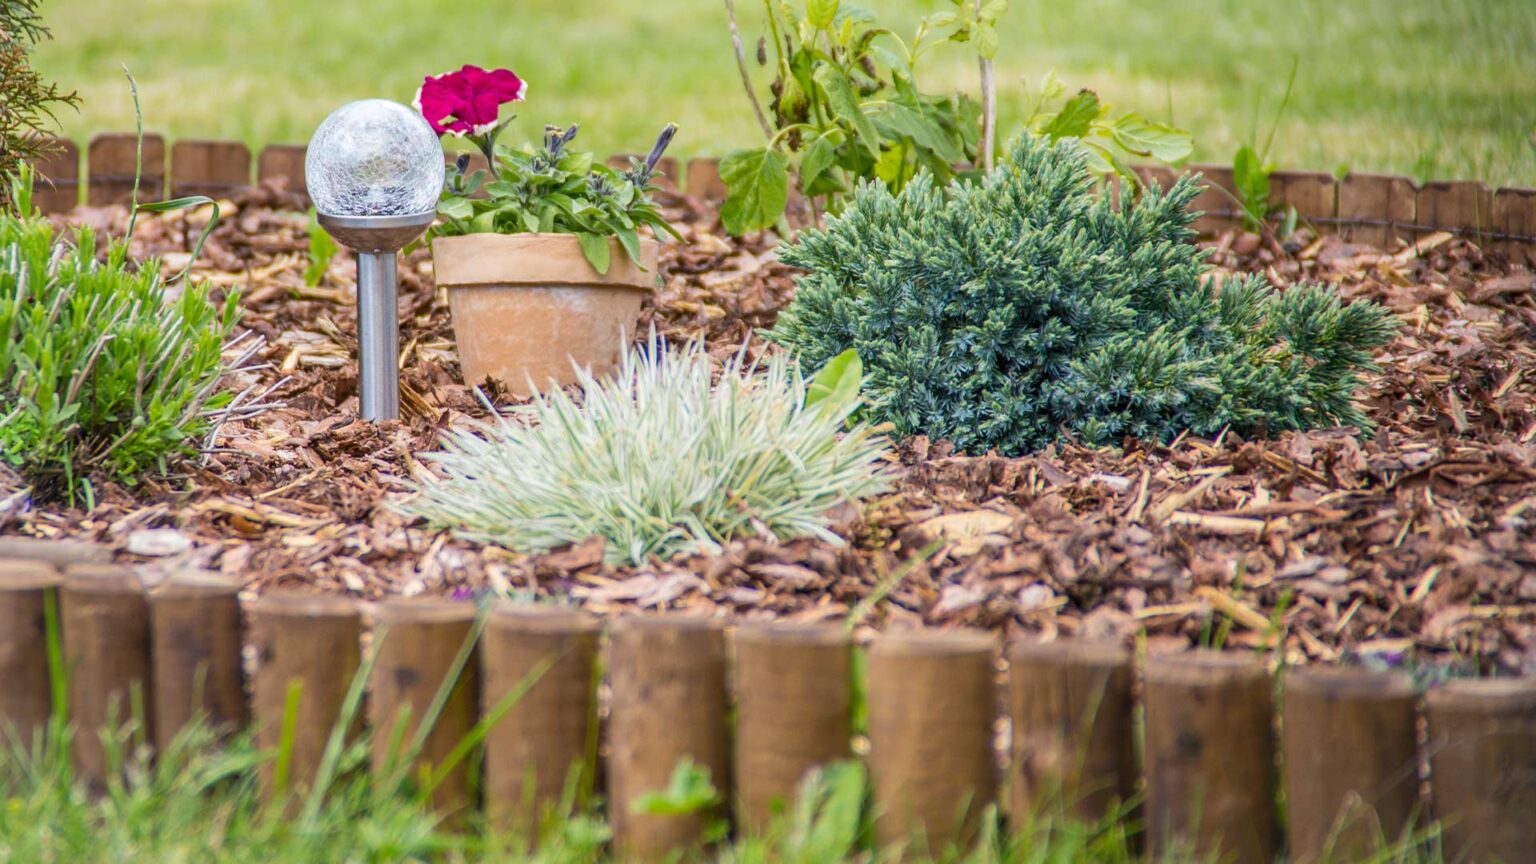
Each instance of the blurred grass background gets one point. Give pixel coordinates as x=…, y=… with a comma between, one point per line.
x=1437, y=89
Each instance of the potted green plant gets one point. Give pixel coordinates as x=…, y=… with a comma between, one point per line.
x=546, y=255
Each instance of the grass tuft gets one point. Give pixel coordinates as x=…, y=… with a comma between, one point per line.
x=659, y=460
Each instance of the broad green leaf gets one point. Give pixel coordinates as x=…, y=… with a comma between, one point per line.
x=836, y=385
x=597, y=251
x=321, y=250
x=942, y=20
x=817, y=159
x=690, y=790
x=986, y=40
x=821, y=13
x=1075, y=118
x=1250, y=178
x=845, y=107
x=992, y=10
x=900, y=120
x=1142, y=138
x=892, y=61
x=456, y=208
x=630, y=240
x=757, y=184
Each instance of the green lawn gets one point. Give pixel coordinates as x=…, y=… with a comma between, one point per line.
x=1432, y=88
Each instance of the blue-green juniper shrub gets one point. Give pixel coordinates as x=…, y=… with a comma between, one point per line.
x=1006, y=314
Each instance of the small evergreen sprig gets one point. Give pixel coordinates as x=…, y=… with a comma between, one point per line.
x=554, y=189
x=664, y=458
x=1006, y=314
x=27, y=100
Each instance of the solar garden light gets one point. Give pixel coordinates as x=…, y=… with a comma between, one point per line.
x=375, y=170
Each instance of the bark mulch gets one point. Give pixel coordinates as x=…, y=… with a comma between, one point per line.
x=1416, y=543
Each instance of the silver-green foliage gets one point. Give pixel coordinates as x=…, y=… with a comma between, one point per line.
x=660, y=459
x=1005, y=314
x=103, y=370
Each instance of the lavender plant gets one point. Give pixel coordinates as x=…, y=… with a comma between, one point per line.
x=659, y=460
x=102, y=372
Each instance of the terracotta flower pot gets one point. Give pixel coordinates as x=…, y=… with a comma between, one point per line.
x=527, y=306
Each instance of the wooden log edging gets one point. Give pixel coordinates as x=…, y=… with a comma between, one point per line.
x=197, y=636
x=1351, y=762
x=26, y=687
x=1210, y=757
x=932, y=705
x=668, y=679
x=793, y=689
x=1348, y=748
x=308, y=648
x=548, y=737
x=1363, y=207
x=418, y=643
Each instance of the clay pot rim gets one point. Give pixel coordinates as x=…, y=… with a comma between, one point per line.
x=537, y=260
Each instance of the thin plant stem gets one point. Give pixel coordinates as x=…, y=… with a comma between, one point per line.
x=988, y=109
x=741, y=66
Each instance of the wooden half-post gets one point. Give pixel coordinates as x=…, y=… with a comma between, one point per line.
x=1210, y=757
x=424, y=646
x=26, y=688
x=667, y=674
x=1482, y=757
x=1351, y=762
x=197, y=635
x=307, y=650
x=1073, y=745
x=538, y=664
x=105, y=618
x=792, y=711
x=932, y=705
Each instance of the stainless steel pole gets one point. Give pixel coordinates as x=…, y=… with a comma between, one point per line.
x=378, y=336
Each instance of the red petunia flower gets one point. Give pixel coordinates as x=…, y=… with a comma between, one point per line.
x=468, y=101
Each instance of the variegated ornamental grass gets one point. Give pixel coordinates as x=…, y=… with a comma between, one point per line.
x=664, y=458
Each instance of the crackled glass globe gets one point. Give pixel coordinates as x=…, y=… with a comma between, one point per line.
x=374, y=158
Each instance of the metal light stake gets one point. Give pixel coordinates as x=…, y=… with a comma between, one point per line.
x=376, y=240
x=375, y=170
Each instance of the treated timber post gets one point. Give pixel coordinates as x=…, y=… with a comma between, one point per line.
x=1073, y=739
x=212, y=168
x=285, y=162
x=196, y=636
x=110, y=164
x=56, y=189
x=59, y=553
x=1514, y=215
x=1218, y=201
x=307, y=644
x=792, y=711
x=418, y=642
x=1314, y=194
x=26, y=690
x=1464, y=207
x=1210, y=758
x=704, y=181
x=105, y=618
x=932, y=703
x=548, y=737
x=669, y=704
x=1482, y=756
x=1375, y=208
x=1351, y=762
